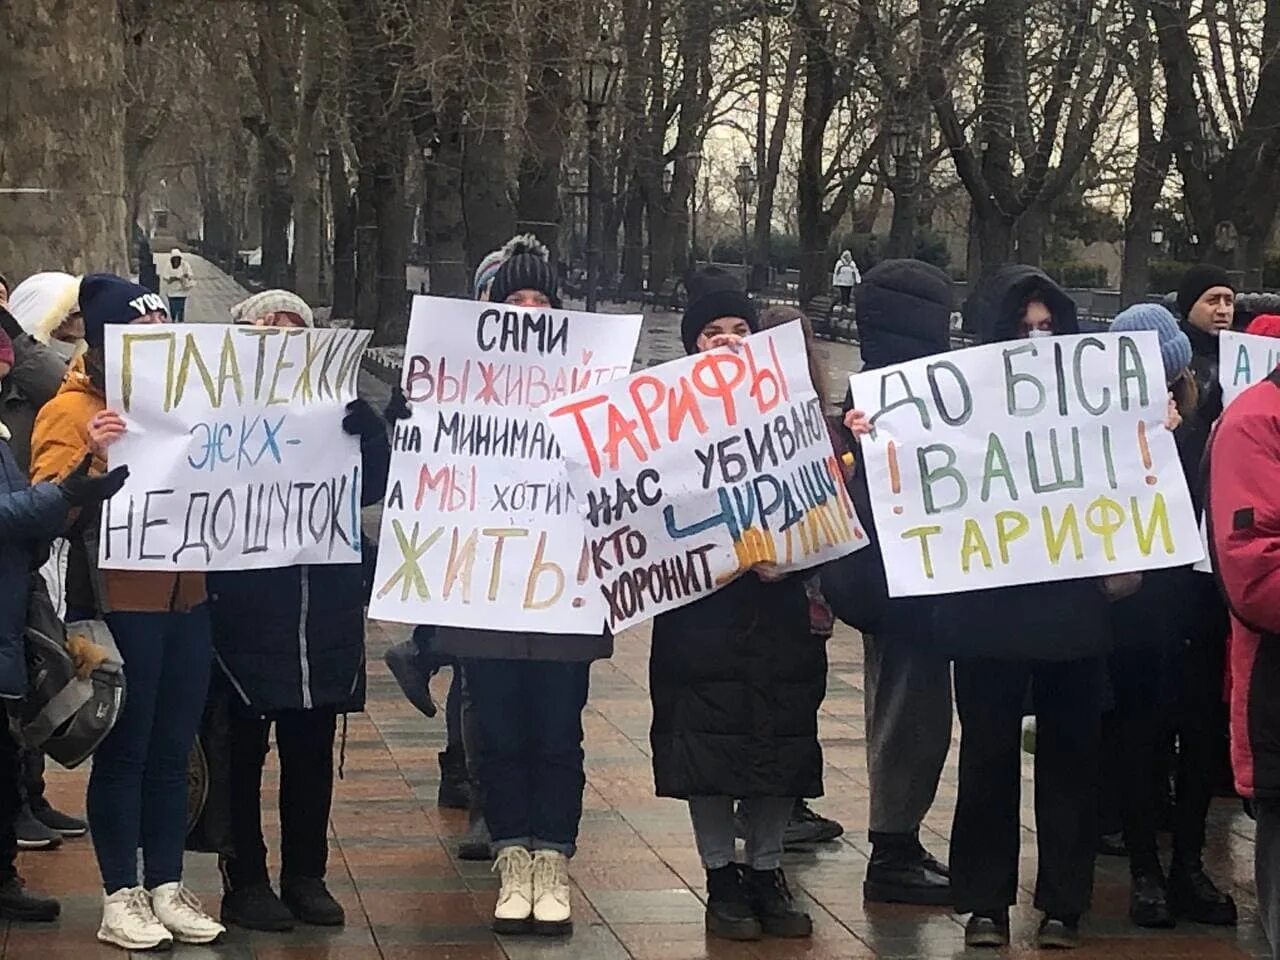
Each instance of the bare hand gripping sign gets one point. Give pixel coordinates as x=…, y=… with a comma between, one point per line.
x=1027, y=461
x=692, y=472
x=236, y=453
x=480, y=528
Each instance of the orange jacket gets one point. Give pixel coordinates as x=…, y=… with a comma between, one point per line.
x=59, y=442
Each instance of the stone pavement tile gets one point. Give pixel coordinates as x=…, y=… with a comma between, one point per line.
x=442, y=951
x=590, y=941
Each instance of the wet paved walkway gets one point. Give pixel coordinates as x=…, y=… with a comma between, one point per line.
x=637, y=881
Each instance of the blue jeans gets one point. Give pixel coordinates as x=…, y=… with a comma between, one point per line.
x=529, y=714
x=177, y=309
x=138, y=785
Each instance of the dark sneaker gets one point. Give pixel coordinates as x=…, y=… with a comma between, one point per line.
x=60, y=823
x=19, y=903
x=729, y=913
x=987, y=929
x=32, y=834
x=774, y=908
x=455, y=791
x=1193, y=896
x=1148, y=901
x=310, y=901
x=406, y=667
x=1112, y=845
x=808, y=827
x=1058, y=934
x=476, y=845
x=904, y=872
x=256, y=907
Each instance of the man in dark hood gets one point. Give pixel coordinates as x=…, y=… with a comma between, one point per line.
x=904, y=313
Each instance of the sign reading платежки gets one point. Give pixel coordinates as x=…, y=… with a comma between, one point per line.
x=1032, y=460
x=694, y=471
x=480, y=527
x=236, y=453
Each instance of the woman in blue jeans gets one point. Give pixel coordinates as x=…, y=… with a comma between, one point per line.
x=138, y=784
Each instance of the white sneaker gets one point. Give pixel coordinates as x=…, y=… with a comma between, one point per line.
x=551, y=893
x=178, y=909
x=515, y=897
x=129, y=922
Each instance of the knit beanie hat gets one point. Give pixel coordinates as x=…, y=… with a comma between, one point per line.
x=106, y=298
x=485, y=273
x=1265, y=325
x=526, y=265
x=1175, y=348
x=714, y=294
x=42, y=301
x=1196, y=281
x=272, y=301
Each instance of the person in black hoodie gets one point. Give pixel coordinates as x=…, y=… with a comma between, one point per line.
x=904, y=313
x=736, y=680
x=1047, y=638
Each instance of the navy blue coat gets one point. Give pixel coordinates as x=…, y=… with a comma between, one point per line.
x=29, y=518
x=292, y=638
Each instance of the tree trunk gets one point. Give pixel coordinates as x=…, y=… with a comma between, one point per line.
x=446, y=235
x=902, y=229
x=547, y=100
x=392, y=237
x=62, y=79
x=344, y=235
x=308, y=231
x=366, y=312
x=1031, y=229
x=633, y=240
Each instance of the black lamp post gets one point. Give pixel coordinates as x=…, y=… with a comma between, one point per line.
x=695, y=161
x=599, y=70
x=899, y=145
x=745, y=184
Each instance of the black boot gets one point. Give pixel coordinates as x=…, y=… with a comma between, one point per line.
x=806, y=827
x=987, y=928
x=774, y=908
x=901, y=871
x=19, y=903
x=729, y=913
x=1148, y=901
x=1193, y=896
x=310, y=901
x=256, y=907
x=454, y=791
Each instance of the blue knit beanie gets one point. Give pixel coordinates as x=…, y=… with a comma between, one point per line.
x=1175, y=348
x=106, y=298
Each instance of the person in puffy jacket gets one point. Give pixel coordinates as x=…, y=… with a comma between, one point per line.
x=736, y=680
x=1049, y=639
x=844, y=277
x=1243, y=509
x=160, y=623
x=904, y=313
x=289, y=643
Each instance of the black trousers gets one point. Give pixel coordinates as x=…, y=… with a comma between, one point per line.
x=987, y=833
x=10, y=799
x=846, y=294
x=304, y=739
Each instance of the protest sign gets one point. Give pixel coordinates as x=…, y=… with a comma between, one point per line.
x=1243, y=360
x=480, y=528
x=1025, y=461
x=236, y=453
x=692, y=472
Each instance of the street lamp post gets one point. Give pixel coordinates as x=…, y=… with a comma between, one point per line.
x=745, y=184
x=599, y=70
x=695, y=161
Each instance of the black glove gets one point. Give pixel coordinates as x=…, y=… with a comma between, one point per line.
x=397, y=407
x=361, y=420
x=81, y=490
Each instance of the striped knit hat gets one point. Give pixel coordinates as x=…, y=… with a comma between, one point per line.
x=272, y=301
x=526, y=266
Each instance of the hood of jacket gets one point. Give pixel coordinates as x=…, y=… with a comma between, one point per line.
x=1005, y=294
x=904, y=312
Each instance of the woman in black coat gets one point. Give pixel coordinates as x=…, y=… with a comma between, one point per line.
x=290, y=645
x=736, y=681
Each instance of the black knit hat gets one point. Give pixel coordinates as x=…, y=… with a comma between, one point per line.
x=714, y=294
x=1196, y=281
x=106, y=298
x=527, y=266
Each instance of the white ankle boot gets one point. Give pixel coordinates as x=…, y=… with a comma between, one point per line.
x=515, y=898
x=129, y=922
x=551, y=893
x=178, y=909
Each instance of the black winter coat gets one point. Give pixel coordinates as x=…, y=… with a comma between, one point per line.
x=1193, y=435
x=736, y=681
x=292, y=638
x=1057, y=621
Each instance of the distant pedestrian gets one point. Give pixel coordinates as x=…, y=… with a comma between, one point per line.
x=845, y=277
x=178, y=281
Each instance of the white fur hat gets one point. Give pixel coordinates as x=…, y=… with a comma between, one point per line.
x=42, y=301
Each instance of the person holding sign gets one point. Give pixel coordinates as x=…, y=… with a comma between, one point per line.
x=290, y=644
x=161, y=624
x=736, y=680
x=1048, y=639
